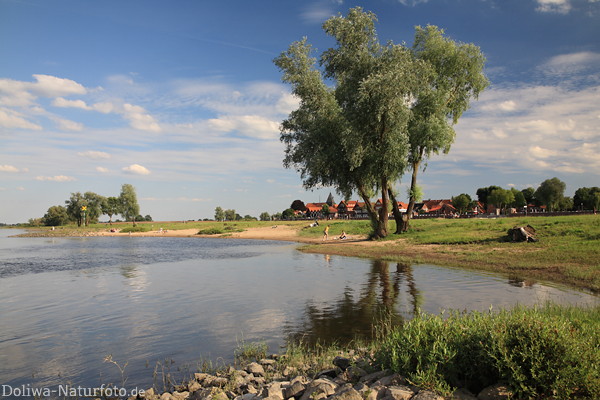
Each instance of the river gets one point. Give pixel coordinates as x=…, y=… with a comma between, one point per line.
x=164, y=304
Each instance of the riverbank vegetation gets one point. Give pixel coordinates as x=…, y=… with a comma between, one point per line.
x=547, y=351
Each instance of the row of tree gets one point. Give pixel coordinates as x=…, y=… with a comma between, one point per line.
x=550, y=193
x=87, y=208
x=371, y=112
x=232, y=215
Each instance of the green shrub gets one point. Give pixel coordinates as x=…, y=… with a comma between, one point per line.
x=138, y=228
x=540, y=352
x=210, y=231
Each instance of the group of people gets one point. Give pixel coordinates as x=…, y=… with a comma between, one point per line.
x=326, y=234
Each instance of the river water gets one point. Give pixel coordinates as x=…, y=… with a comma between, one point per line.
x=163, y=304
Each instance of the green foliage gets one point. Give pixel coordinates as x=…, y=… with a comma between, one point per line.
x=219, y=214
x=230, y=215
x=288, y=214
x=264, y=216
x=129, y=204
x=540, y=352
x=56, y=216
x=137, y=228
x=501, y=198
x=462, y=202
x=210, y=231
x=250, y=351
x=550, y=193
x=112, y=206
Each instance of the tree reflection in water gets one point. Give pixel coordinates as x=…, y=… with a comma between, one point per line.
x=377, y=305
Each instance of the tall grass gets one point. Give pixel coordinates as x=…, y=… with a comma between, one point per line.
x=550, y=351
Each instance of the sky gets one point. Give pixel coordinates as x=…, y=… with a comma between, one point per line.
x=182, y=99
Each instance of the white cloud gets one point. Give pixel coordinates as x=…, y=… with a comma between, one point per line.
x=94, y=155
x=317, y=13
x=139, y=119
x=8, y=168
x=67, y=125
x=554, y=6
x=137, y=169
x=412, y=2
x=254, y=126
x=56, y=178
x=52, y=86
x=102, y=169
x=571, y=64
x=13, y=119
x=64, y=103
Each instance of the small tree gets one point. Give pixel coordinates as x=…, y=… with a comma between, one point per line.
x=483, y=193
x=501, y=198
x=288, y=214
x=129, y=204
x=551, y=192
x=462, y=202
x=56, y=216
x=230, y=215
x=110, y=207
x=264, y=216
x=298, y=205
x=528, y=194
x=519, y=201
x=219, y=214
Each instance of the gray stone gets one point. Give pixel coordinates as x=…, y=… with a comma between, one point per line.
x=391, y=380
x=289, y=371
x=354, y=373
x=255, y=369
x=332, y=373
x=166, y=396
x=296, y=389
x=427, y=395
x=370, y=378
x=400, y=392
x=194, y=385
x=273, y=389
x=180, y=395
x=498, y=391
x=342, y=362
x=346, y=394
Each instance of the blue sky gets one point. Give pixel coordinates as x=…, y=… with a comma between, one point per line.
x=182, y=100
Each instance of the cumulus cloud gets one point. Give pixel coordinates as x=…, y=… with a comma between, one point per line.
x=66, y=125
x=136, y=169
x=52, y=86
x=102, y=170
x=139, y=118
x=56, y=178
x=64, y=103
x=94, y=155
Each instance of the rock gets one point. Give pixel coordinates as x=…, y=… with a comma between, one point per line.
x=390, y=380
x=166, y=396
x=498, y=391
x=296, y=389
x=267, y=361
x=273, y=390
x=342, y=362
x=193, y=386
x=347, y=393
x=522, y=234
x=370, y=378
x=354, y=373
x=255, y=369
x=400, y=392
x=463, y=394
x=180, y=395
x=332, y=373
x=427, y=395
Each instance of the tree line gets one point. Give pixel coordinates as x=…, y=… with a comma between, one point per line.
x=231, y=215
x=84, y=209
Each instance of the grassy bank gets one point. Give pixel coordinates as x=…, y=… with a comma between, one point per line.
x=549, y=351
x=568, y=250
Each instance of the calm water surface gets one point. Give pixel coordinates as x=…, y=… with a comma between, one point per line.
x=67, y=303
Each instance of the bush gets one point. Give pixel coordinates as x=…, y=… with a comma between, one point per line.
x=210, y=231
x=539, y=352
x=137, y=228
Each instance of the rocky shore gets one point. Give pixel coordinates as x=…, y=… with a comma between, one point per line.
x=347, y=379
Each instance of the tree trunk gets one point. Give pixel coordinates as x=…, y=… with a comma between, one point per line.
x=396, y=212
x=379, y=226
x=411, y=201
x=382, y=227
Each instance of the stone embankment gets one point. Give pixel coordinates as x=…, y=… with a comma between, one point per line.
x=346, y=381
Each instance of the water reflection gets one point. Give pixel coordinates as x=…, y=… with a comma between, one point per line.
x=359, y=315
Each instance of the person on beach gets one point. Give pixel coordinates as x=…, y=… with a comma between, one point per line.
x=343, y=235
x=326, y=233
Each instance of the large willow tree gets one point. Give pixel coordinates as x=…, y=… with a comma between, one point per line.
x=351, y=130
